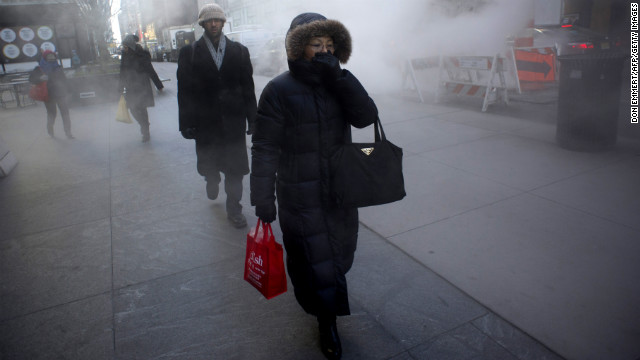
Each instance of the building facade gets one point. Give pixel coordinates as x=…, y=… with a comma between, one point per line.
x=30, y=27
x=147, y=18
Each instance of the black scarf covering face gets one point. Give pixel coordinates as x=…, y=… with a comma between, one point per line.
x=306, y=71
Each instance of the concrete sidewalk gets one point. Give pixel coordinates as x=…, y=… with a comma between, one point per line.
x=506, y=247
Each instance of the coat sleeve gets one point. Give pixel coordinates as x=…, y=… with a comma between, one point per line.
x=34, y=76
x=265, y=151
x=186, y=108
x=148, y=68
x=121, y=80
x=359, y=109
x=248, y=87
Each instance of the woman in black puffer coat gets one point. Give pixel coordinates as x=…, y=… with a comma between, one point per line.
x=302, y=115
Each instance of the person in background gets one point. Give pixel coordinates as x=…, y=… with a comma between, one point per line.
x=135, y=72
x=216, y=99
x=75, y=59
x=49, y=70
x=302, y=115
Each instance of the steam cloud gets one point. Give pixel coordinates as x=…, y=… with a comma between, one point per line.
x=385, y=34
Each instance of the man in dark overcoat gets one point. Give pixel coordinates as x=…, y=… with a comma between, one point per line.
x=216, y=98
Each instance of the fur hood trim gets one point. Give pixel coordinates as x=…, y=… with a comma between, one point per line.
x=299, y=37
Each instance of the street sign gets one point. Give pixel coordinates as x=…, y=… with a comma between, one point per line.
x=535, y=66
x=475, y=63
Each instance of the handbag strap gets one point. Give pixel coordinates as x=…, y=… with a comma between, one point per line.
x=266, y=229
x=268, y=232
x=378, y=131
x=255, y=233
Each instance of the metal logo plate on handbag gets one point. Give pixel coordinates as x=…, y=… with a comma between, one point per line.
x=367, y=151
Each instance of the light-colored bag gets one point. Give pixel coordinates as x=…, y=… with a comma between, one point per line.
x=122, y=114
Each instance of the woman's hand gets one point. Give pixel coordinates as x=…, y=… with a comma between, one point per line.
x=329, y=65
x=266, y=213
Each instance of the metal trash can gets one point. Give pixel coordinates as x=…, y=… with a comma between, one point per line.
x=588, y=101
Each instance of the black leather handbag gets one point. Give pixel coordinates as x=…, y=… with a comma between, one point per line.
x=367, y=174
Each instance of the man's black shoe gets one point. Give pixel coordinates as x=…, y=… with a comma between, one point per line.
x=238, y=220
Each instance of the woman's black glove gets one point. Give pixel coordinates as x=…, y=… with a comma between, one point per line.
x=266, y=213
x=189, y=133
x=329, y=65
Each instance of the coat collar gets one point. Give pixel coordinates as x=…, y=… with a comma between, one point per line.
x=305, y=71
x=209, y=60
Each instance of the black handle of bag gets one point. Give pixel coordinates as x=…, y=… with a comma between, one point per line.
x=378, y=131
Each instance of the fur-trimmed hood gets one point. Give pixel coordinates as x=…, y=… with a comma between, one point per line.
x=301, y=32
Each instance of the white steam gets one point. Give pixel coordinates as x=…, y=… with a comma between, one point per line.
x=386, y=34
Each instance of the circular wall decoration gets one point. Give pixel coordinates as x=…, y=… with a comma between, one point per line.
x=7, y=35
x=47, y=45
x=45, y=33
x=11, y=51
x=27, y=34
x=30, y=50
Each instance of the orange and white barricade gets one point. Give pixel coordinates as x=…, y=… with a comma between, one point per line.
x=416, y=64
x=480, y=76
x=535, y=65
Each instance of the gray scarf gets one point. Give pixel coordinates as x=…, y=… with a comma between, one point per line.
x=217, y=55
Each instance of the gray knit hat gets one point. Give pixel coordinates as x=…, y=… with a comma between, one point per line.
x=211, y=11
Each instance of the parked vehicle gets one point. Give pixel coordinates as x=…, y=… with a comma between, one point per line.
x=253, y=39
x=571, y=39
x=271, y=59
x=174, y=38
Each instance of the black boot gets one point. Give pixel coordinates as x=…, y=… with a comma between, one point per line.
x=146, y=136
x=329, y=339
x=212, y=188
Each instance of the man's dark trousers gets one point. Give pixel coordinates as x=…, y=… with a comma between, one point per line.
x=208, y=164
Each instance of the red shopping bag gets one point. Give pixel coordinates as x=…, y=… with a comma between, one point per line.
x=264, y=266
x=39, y=92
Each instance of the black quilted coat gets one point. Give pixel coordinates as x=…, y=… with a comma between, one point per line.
x=300, y=119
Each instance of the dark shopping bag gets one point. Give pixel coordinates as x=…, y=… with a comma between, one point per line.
x=264, y=265
x=39, y=92
x=367, y=174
